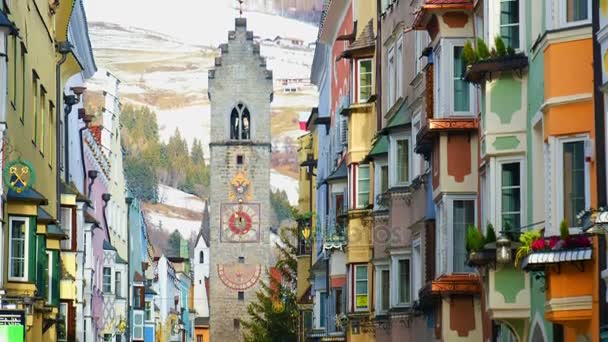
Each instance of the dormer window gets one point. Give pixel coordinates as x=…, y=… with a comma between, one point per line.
x=240, y=123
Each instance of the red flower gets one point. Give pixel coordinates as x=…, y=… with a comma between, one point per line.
x=553, y=241
x=538, y=245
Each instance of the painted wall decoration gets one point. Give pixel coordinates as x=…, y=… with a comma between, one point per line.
x=240, y=187
x=239, y=277
x=19, y=175
x=240, y=222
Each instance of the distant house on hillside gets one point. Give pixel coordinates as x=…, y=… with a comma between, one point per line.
x=289, y=41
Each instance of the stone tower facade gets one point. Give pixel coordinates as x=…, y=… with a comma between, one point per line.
x=240, y=92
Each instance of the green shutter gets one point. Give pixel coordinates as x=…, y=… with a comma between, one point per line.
x=41, y=264
x=55, y=278
x=32, y=251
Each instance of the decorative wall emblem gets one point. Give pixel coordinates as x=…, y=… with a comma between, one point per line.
x=240, y=187
x=239, y=277
x=19, y=175
x=240, y=222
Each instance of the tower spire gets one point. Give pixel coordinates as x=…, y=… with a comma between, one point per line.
x=241, y=8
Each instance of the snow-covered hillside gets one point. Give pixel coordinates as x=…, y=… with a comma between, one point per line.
x=177, y=198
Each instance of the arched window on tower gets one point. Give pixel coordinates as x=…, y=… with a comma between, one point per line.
x=201, y=257
x=240, y=123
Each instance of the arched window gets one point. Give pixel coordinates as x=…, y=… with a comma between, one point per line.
x=201, y=257
x=240, y=123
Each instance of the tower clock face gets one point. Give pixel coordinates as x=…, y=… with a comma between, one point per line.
x=240, y=222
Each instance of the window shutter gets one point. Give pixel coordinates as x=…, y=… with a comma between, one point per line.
x=41, y=263
x=31, y=252
x=55, y=278
x=343, y=131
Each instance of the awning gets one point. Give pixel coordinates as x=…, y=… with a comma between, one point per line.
x=380, y=146
x=54, y=231
x=107, y=246
x=400, y=119
x=28, y=195
x=366, y=41
x=339, y=174
x=554, y=257
x=44, y=217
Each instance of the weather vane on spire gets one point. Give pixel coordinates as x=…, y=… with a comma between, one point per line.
x=241, y=7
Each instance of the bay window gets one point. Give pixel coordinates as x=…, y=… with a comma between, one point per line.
x=510, y=195
x=422, y=40
x=509, y=22
x=416, y=160
x=363, y=186
x=364, y=91
x=107, y=280
x=138, y=325
x=149, y=311
x=361, y=288
x=461, y=92
x=18, y=248
x=416, y=268
x=575, y=179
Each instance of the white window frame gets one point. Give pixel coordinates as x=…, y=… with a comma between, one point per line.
x=359, y=198
x=381, y=266
x=49, y=293
x=563, y=13
x=67, y=224
x=453, y=45
x=65, y=322
x=149, y=307
x=416, y=268
x=522, y=178
x=354, y=288
x=137, y=313
x=397, y=256
x=422, y=40
x=520, y=24
x=560, y=175
x=391, y=78
x=438, y=99
x=392, y=171
x=399, y=67
x=26, y=235
x=359, y=61
x=378, y=165
x=484, y=197
x=103, y=280
x=415, y=157
x=449, y=203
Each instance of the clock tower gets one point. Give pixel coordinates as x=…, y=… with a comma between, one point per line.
x=240, y=92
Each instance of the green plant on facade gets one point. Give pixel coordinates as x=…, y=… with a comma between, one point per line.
x=475, y=240
x=482, y=53
x=564, y=232
x=490, y=234
x=526, y=239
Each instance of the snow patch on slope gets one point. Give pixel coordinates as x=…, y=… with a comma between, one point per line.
x=177, y=198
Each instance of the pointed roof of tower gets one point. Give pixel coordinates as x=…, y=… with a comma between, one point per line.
x=204, y=231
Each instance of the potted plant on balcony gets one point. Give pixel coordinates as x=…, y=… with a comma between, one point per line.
x=483, y=63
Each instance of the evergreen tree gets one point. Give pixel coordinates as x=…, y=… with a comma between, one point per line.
x=174, y=245
x=273, y=316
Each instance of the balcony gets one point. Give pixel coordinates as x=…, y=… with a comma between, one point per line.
x=427, y=134
x=335, y=234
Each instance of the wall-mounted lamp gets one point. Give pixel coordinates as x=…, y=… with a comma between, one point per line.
x=92, y=174
x=503, y=250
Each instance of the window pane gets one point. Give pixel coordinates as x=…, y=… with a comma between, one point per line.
x=361, y=273
x=574, y=180
x=510, y=175
x=384, y=178
x=404, y=281
x=322, y=310
x=403, y=169
x=576, y=10
x=509, y=12
x=464, y=215
x=18, y=248
x=385, y=289
x=461, y=88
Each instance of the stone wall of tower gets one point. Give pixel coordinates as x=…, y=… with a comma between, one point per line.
x=240, y=76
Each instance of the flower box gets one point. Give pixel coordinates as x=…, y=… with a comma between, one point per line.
x=482, y=71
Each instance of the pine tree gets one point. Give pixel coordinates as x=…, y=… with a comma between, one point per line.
x=269, y=322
